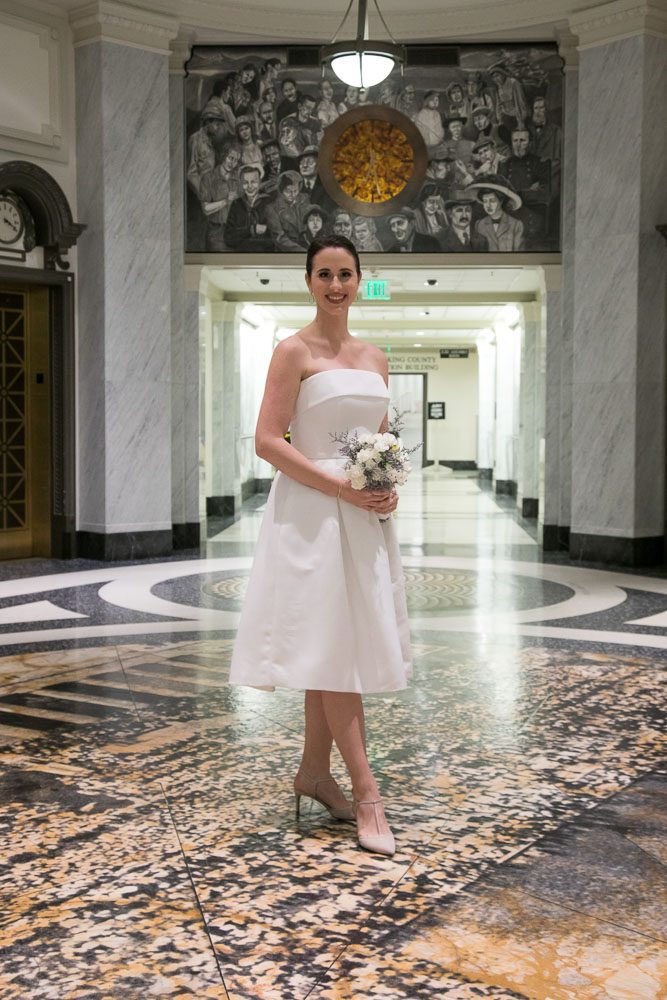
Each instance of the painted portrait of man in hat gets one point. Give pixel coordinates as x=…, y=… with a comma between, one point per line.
x=460, y=235
x=406, y=238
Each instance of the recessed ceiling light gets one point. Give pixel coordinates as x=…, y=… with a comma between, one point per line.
x=416, y=345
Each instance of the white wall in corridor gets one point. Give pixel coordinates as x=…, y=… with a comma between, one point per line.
x=256, y=346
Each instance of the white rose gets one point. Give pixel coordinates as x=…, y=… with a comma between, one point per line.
x=365, y=454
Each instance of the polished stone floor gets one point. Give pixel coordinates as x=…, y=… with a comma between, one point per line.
x=149, y=846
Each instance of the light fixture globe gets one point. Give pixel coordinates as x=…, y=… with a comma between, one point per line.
x=362, y=63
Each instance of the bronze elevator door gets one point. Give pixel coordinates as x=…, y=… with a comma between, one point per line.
x=25, y=438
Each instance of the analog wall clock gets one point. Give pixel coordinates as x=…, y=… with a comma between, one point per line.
x=372, y=160
x=17, y=227
x=12, y=225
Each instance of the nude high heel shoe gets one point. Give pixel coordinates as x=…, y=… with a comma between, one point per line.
x=312, y=792
x=378, y=843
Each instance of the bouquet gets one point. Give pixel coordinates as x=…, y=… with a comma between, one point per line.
x=376, y=461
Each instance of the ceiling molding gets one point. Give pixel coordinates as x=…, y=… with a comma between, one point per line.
x=110, y=21
x=611, y=22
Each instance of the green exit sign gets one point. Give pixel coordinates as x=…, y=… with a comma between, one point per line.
x=378, y=290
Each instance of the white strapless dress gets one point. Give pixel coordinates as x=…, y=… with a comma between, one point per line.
x=325, y=607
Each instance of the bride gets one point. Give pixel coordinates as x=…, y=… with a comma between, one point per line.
x=325, y=607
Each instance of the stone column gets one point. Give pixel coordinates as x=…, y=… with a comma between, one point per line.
x=486, y=406
x=223, y=495
x=184, y=326
x=563, y=515
x=556, y=465
x=619, y=385
x=530, y=412
x=124, y=330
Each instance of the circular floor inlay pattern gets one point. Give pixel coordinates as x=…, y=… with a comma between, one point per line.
x=431, y=591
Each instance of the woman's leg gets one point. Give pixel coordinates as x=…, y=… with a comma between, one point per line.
x=316, y=758
x=344, y=713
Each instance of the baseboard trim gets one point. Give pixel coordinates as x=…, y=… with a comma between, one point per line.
x=506, y=487
x=186, y=535
x=530, y=507
x=617, y=551
x=555, y=537
x=123, y=545
x=458, y=464
x=221, y=506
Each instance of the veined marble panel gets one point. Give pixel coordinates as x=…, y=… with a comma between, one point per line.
x=138, y=419
x=530, y=421
x=603, y=459
x=609, y=138
x=177, y=298
x=553, y=415
x=124, y=358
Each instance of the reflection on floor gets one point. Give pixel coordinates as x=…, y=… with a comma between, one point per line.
x=147, y=824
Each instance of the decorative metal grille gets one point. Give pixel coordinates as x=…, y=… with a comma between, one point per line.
x=13, y=429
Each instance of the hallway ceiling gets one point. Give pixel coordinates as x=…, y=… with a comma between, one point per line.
x=465, y=301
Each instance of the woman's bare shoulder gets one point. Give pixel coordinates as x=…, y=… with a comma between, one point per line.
x=292, y=351
x=375, y=359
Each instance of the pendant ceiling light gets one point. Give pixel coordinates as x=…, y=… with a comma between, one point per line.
x=362, y=63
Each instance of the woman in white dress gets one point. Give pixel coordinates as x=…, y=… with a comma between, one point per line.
x=325, y=608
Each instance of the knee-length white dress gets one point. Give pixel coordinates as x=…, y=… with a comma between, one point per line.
x=325, y=606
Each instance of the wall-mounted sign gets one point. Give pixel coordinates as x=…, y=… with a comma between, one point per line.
x=413, y=363
x=436, y=411
x=377, y=290
x=454, y=352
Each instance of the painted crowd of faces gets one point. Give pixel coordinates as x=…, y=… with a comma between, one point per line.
x=254, y=126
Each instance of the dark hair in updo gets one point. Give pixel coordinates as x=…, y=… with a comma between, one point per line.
x=331, y=242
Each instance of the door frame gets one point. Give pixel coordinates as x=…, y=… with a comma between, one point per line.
x=424, y=376
x=62, y=398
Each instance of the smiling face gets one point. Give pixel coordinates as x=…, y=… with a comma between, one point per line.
x=401, y=228
x=334, y=281
x=250, y=183
x=431, y=204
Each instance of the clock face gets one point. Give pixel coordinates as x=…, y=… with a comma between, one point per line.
x=372, y=160
x=11, y=222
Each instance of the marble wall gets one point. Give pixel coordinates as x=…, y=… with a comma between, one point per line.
x=223, y=409
x=508, y=354
x=124, y=352
x=530, y=412
x=556, y=465
x=184, y=344
x=618, y=404
x=486, y=406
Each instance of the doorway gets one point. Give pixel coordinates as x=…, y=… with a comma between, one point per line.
x=406, y=395
x=25, y=431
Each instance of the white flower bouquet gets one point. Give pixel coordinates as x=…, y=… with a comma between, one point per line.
x=376, y=461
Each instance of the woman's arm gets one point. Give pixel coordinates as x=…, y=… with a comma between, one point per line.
x=288, y=363
x=277, y=409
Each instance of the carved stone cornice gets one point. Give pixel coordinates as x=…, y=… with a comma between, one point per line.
x=180, y=51
x=567, y=47
x=110, y=21
x=611, y=22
